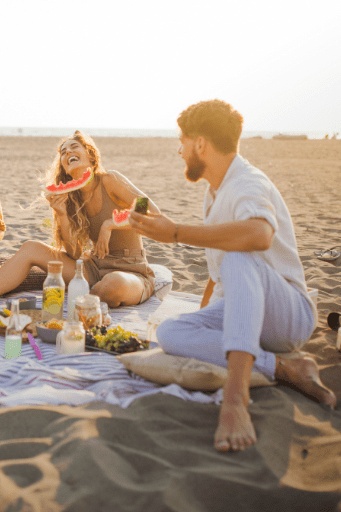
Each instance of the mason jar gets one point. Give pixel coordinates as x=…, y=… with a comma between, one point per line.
x=88, y=311
x=71, y=339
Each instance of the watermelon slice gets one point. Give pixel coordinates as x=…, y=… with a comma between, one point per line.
x=70, y=186
x=121, y=218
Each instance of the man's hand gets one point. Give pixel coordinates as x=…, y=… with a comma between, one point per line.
x=155, y=226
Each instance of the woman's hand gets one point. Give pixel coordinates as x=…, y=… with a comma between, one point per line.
x=58, y=203
x=101, y=248
x=155, y=226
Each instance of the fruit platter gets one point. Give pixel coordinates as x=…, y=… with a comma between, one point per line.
x=113, y=340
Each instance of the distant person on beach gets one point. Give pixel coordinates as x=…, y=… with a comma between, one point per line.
x=116, y=268
x=255, y=306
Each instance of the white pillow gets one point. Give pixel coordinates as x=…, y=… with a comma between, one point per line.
x=163, y=280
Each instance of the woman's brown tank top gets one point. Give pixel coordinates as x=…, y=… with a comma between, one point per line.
x=120, y=239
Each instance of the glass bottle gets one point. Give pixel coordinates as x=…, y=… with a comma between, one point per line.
x=53, y=292
x=71, y=340
x=13, y=336
x=88, y=311
x=77, y=286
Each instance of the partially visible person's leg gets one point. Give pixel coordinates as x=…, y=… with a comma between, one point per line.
x=2, y=225
x=32, y=253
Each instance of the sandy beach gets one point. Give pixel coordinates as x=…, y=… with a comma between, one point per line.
x=307, y=175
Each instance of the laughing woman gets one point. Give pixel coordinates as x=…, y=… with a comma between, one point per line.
x=116, y=268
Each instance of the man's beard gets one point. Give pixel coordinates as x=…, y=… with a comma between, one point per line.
x=195, y=167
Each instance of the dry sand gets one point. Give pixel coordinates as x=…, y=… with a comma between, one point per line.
x=296, y=463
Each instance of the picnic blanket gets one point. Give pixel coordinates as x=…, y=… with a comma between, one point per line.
x=90, y=376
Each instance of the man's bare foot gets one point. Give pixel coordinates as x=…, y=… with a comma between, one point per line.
x=303, y=374
x=235, y=430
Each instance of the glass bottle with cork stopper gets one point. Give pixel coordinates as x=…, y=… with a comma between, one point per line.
x=78, y=286
x=53, y=292
x=13, y=336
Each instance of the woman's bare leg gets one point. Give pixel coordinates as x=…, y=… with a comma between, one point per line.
x=119, y=289
x=30, y=254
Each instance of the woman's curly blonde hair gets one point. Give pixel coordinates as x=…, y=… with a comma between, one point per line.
x=75, y=205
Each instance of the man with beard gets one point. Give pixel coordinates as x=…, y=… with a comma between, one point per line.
x=255, y=306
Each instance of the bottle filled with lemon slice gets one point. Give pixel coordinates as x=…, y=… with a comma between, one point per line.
x=53, y=292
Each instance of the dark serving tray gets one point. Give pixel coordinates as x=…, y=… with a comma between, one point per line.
x=90, y=348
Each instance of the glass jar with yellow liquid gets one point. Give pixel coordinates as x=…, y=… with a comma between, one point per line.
x=53, y=292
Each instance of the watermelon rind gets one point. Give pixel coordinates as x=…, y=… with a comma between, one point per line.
x=141, y=205
x=70, y=186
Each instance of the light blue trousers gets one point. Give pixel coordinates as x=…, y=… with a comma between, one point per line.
x=261, y=313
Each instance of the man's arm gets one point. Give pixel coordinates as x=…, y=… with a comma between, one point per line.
x=207, y=293
x=240, y=236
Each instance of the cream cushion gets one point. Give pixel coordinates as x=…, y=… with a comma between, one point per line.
x=157, y=366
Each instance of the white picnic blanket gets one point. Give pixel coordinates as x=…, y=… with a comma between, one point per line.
x=91, y=376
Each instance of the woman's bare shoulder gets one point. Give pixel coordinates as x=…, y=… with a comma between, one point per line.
x=119, y=188
x=114, y=178
x=120, y=184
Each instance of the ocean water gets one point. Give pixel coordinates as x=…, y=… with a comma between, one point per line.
x=136, y=132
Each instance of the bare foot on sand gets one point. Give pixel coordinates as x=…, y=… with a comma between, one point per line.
x=235, y=429
x=303, y=375
x=2, y=225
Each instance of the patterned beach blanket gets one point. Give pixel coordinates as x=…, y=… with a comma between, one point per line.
x=90, y=376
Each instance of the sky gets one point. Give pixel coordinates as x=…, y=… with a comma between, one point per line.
x=126, y=64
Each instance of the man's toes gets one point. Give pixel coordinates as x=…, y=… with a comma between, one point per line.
x=223, y=445
x=250, y=440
